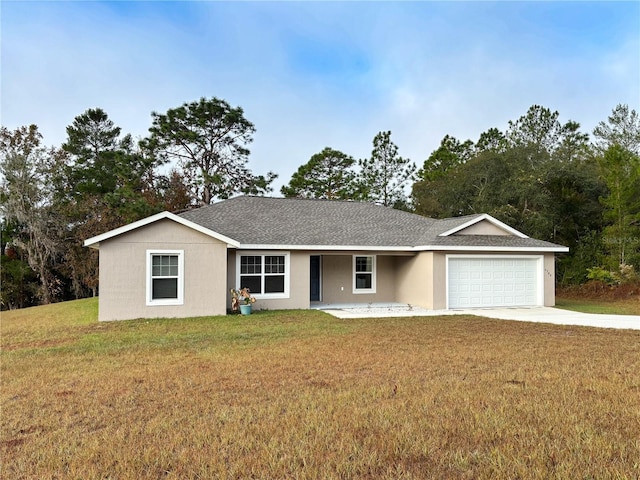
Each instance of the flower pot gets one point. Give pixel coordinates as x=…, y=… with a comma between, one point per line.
x=245, y=309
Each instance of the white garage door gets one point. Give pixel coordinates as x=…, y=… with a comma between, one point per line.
x=493, y=282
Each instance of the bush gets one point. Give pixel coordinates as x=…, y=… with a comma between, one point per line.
x=625, y=275
x=600, y=274
x=628, y=274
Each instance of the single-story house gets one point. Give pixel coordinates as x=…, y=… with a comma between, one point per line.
x=299, y=253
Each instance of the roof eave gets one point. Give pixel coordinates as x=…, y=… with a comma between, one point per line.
x=419, y=248
x=326, y=247
x=488, y=248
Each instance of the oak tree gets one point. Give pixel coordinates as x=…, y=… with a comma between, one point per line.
x=26, y=195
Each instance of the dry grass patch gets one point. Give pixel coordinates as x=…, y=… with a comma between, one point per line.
x=305, y=395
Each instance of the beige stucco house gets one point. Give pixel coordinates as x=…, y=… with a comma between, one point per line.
x=299, y=253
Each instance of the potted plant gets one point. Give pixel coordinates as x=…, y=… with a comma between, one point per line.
x=241, y=299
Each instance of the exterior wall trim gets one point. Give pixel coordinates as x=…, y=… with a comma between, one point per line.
x=332, y=248
x=419, y=248
x=444, y=248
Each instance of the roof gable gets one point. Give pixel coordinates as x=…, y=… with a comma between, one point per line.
x=479, y=219
x=94, y=242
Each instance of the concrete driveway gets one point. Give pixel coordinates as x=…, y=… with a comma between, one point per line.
x=532, y=314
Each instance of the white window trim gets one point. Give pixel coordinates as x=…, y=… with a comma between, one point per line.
x=358, y=291
x=165, y=301
x=263, y=253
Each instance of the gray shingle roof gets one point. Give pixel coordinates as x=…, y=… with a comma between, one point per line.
x=305, y=222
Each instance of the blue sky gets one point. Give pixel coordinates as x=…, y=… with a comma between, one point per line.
x=316, y=74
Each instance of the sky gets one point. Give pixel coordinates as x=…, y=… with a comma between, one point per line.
x=311, y=75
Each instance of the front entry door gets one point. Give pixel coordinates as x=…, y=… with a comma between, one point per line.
x=315, y=278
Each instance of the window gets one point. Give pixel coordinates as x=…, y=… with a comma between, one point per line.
x=266, y=275
x=165, y=277
x=364, y=274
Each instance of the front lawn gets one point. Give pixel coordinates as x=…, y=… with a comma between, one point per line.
x=304, y=395
x=599, y=298
x=611, y=307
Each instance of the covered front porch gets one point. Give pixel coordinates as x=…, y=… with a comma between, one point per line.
x=356, y=279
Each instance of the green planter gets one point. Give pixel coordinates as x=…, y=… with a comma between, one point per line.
x=245, y=309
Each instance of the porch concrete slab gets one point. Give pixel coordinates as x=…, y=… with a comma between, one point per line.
x=385, y=311
x=532, y=314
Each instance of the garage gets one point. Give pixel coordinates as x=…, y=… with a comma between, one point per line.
x=494, y=281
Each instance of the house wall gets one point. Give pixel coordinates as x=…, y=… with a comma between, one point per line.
x=123, y=273
x=439, y=281
x=414, y=280
x=299, y=283
x=337, y=280
x=549, y=280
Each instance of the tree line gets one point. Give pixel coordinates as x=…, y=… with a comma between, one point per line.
x=550, y=180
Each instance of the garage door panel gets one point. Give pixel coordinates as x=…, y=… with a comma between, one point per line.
x=492, y=282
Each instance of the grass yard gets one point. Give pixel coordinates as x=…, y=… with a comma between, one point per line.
x=612, y=307
x=304, y=395
x=597, y=297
